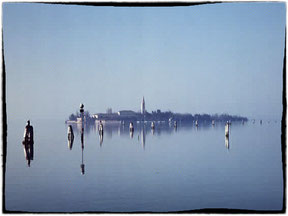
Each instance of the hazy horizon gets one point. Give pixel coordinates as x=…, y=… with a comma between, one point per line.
x=212, y=58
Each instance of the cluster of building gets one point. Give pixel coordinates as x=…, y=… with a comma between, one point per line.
x=123, y=115
x=154, y=116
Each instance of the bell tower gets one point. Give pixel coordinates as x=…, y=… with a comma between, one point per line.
x=143, y=106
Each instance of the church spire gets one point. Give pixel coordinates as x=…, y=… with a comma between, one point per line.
x=143, y=106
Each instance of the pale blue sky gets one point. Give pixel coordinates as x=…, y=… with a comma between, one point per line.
x=199, y=59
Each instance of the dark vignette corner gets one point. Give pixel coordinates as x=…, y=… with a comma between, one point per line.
x=4, y=124
x=283, y=127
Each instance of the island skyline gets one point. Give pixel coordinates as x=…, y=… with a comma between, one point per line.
x=143, y=116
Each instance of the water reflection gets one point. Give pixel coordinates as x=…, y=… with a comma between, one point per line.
x=227, y=142
x=82, y=166
x=70, y=137
x=140, y=130
x=78, y=128
x=143, y=129
x=143, y=137
x=131, y=134
x=108, y=129
x=101, y=139
x=88, y=128
x=28, y=152
x=227, y=133
x=121, y=161
x=28, y=143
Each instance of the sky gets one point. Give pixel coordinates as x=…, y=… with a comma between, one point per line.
x=212, y=58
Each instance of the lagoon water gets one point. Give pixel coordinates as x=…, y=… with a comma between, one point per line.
x=168, y=170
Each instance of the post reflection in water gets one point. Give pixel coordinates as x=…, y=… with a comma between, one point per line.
x=101, y=139
x=227, y=134
x=28, y=143
x=101, y=132
x=131, y=134
x=143, y=137
x=123, y=129
x=82, y=149
x=70, y=137
x=141, y=130
x=227, y=142
x=28, y=152
x=82, y=138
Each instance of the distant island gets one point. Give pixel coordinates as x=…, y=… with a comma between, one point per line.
x=131, y=116
x=156, y=116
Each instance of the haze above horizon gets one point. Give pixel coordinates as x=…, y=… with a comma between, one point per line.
x=212, y=58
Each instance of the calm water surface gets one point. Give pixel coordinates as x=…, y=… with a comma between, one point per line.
x=163, y=171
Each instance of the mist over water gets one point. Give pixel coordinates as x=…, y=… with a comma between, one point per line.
x=163, y=170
